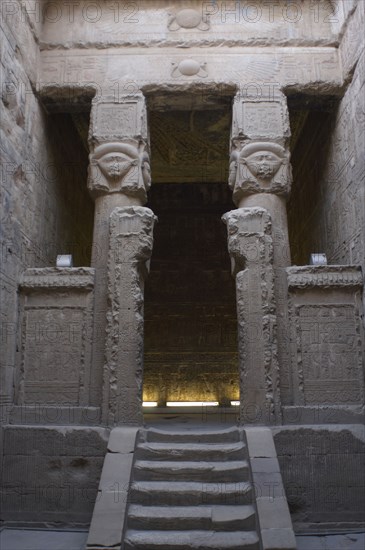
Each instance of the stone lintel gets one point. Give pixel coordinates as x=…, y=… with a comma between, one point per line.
x=58, y=277
x=324, y=276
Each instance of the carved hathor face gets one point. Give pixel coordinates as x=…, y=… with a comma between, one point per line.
x=115, y=165
x=263, y=159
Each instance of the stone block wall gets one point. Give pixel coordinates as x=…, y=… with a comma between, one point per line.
x=49, y=473
x=327, y=208
x=45, y=206
x=323, y=475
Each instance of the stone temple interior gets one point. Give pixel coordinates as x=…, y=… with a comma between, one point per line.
x=182, y=273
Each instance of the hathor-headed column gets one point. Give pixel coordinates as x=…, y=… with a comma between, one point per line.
x=260, y=176
x=251, y=251
x=119, y=176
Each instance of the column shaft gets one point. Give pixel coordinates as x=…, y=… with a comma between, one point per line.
x=260, y=176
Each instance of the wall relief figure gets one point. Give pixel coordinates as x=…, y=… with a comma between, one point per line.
x=120, y=167
x=259, y=167
x=188, y=18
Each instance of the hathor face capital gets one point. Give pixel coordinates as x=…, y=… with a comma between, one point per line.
x=115, y=160
x=263, y=159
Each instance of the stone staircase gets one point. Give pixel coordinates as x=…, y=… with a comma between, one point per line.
x=191, y=489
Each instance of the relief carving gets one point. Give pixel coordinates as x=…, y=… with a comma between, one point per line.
x=131, y=240
x=189, y=67
x=259, y=167
x=250, y=248
x=120, y=167
x=188, y=18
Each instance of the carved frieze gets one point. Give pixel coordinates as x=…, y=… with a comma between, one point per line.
x=326, y=276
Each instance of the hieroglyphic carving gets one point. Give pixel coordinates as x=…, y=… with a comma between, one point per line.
x=129, y=252
x=119, y=116
x=265, y=118
x=56, y=323
x=250, y=248
x=52, y=359
x=328, y=354
x=328, y=276
x=325, y=303
x=113, y=119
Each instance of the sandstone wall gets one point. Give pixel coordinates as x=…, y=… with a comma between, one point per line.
x=48, y=474
x=323, y=474
x=45, y=206
x=327, y=208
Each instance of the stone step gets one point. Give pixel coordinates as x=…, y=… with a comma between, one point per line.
x=164, y=493
x=194, y=436
x=191, y=470
x=219, y=518
x=190, y=540
x=214, y=452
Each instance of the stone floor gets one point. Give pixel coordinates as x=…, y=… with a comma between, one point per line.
x=45, y=539
x=32, y=539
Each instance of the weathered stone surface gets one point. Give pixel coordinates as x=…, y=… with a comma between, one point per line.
x=328, y=276
x=260, y=443
x=120, y=167
x=56, y=56
x=122, y=440
x=170, y=24
x=119, y=175
x=326, y=335
x=250, y=247
x=260, y=176
x=260, y=167
x=56, y=334
x=107, y=524
x=131, y=238
x=323, y=474
x=184, y=507
x=51, y=474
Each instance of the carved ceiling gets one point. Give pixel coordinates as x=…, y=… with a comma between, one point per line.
x=189, y=146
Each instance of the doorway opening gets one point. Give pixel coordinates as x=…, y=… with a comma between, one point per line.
x=190, y=313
